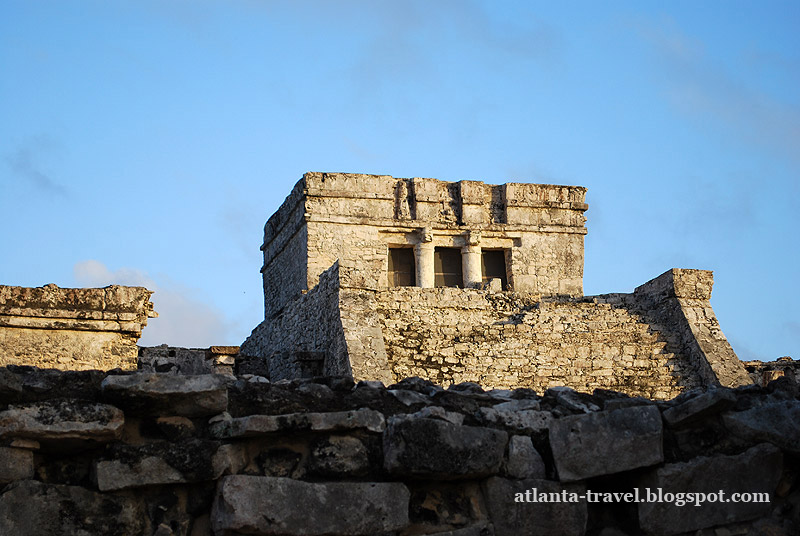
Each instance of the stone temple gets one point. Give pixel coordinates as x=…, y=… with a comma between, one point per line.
x=382, y=278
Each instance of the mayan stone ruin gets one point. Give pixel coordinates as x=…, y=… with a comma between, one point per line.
x=73, y=329
x=384, y=278
x=427, y=365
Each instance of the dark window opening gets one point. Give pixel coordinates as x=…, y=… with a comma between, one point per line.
x=402, y=272
x=447, y=268
x=493, y=266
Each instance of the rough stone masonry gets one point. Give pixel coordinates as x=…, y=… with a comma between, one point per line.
x=73, y=328
x=131, y=453
x=382, y=278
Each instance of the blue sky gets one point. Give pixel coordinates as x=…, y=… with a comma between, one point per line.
x=147, y=142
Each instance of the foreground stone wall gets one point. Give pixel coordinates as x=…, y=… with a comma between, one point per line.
x=138, y=453
x=76, y=329
x=656, y=342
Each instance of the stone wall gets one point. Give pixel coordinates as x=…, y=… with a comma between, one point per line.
x=506, y=340
x=355, y=218
x=306, y=338
x=76, y=329
x=656, y=342
x=188, y=361
x=761, y=373
x=93, y=453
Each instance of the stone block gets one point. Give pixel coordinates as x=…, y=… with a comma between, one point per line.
x=191, y=460
x=255, y=425
x=777, y=423
x=523, y=460
x=757, y=470
x=282, y=506
x=620, y=440
x=15, y=464
x=431, y=447
x=694, y=409
x=31, y=507
x=62, y=420
x=339, y=456
x=523, y=421
x=512, y=510
x=190, y=396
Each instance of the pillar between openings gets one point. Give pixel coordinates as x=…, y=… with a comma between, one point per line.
x=423, y=253
x=471, y=264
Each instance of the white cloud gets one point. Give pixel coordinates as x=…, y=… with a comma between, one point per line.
x=184, y=320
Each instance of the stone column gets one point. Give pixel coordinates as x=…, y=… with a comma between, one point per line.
x=423, y=253
x=471, y=266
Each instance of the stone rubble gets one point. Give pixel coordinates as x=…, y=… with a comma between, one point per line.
x=161, y=454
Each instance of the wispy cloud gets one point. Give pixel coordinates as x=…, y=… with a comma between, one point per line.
x=418, y=40
x=25, y=164
x=184, y=320
x=709, y=92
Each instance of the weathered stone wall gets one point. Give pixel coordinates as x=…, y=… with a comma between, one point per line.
x=188, y=361
x=680, y=298
x=76, y=329
x=655, y=342
x=508, y=340
x=91, y=453
x=761, y=373
x=296, y=341
x=355, y=218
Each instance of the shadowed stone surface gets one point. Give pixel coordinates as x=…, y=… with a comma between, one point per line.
x=437, y=448
x=158, y=463
x=266, y=505
x=523, y=459
x=62, y=419
x=256, y=425
x=339, y=456
x=524, y=421
x=622, y=439
x=712, y=401
x=534, y=518
x=777, y=423
x=756, y=471
x=31, y=507
x=15, y=464
x=191, y=396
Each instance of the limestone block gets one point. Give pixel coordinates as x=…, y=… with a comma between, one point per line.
x=269, y=505
x=15, y=464
x=777, y=423
x=158, y=463
x=62, y=419
x=523, y=461
x=534, y=518
x=712, y=401
x=431, y=447
x=190, y=396
x=757, y=470
x=339, y=456
x=255, y=425
x=408, y=397
x=525, y=421
x=31, y=507
x=438, y=412
x=115, y=475
x=622, y=439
